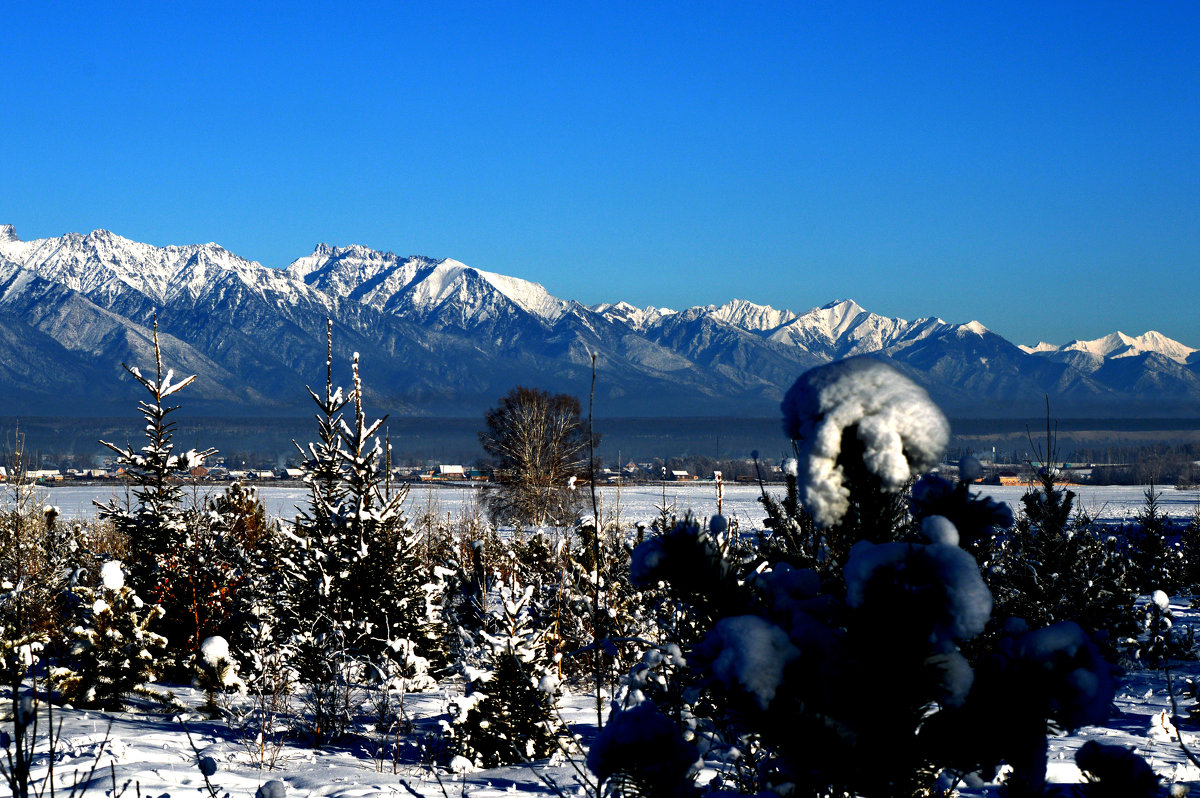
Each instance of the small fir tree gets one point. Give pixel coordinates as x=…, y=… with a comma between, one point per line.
x=507, y=715
x=156, y=523
x=1057, y=565
x=114, y=652
x=1189, y=543
x=1157, y=561
x=174, y=557
x=383, y=597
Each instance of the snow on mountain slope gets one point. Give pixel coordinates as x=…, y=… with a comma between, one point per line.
x=633, y=317
x=418, y=284
x=752, y=317
x=843, y=329
x=1040, y=347
x=103, y=265
x=1118, y=344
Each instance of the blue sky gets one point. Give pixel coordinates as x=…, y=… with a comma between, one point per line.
x=1035, y=166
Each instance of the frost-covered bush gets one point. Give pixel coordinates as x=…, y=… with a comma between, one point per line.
x=35, y=551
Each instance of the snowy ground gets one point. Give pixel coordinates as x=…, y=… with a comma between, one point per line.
x=150, y=751
x=641, y=502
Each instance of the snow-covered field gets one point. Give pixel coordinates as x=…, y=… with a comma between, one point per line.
x=149, y=750
x=641, y=502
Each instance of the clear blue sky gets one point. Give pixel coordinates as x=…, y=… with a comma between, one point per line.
x=1035, y=166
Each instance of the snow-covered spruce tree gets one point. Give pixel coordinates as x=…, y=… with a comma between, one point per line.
x=384, y=597
x=1189, y=544
x=785, y=654
x=314, y=569
x=1157, y=561
x=114, y=652
x=1056, y=565
x=361, y=598
x=507, y=714
x=172, y=559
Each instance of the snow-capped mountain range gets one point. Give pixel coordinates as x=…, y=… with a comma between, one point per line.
x=439, y=337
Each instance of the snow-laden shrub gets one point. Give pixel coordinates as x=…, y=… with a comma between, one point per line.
x=1114, y=771
x=216, y=671
x=640, y=752
x=897, y=431
x=858, y=638
x=933, y=592
x=1028, y=684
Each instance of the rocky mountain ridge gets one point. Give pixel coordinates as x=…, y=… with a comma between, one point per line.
x=438, y=337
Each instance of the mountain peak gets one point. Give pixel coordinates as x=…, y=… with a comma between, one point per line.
x=1118, y=344
x=751, y=316
x=8, y=233
x=845, y=305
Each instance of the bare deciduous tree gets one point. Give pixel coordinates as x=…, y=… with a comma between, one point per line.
x=538, y=443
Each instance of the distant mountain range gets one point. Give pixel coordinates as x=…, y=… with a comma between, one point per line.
x=438, y=337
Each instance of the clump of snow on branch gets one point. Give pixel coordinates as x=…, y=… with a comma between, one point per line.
x=213, y=650
x=939, y=529
x=748, y=654
x=903, y=433
x=112, y=575
x=894, y=574
x=1063, y=659
x=220, y=666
